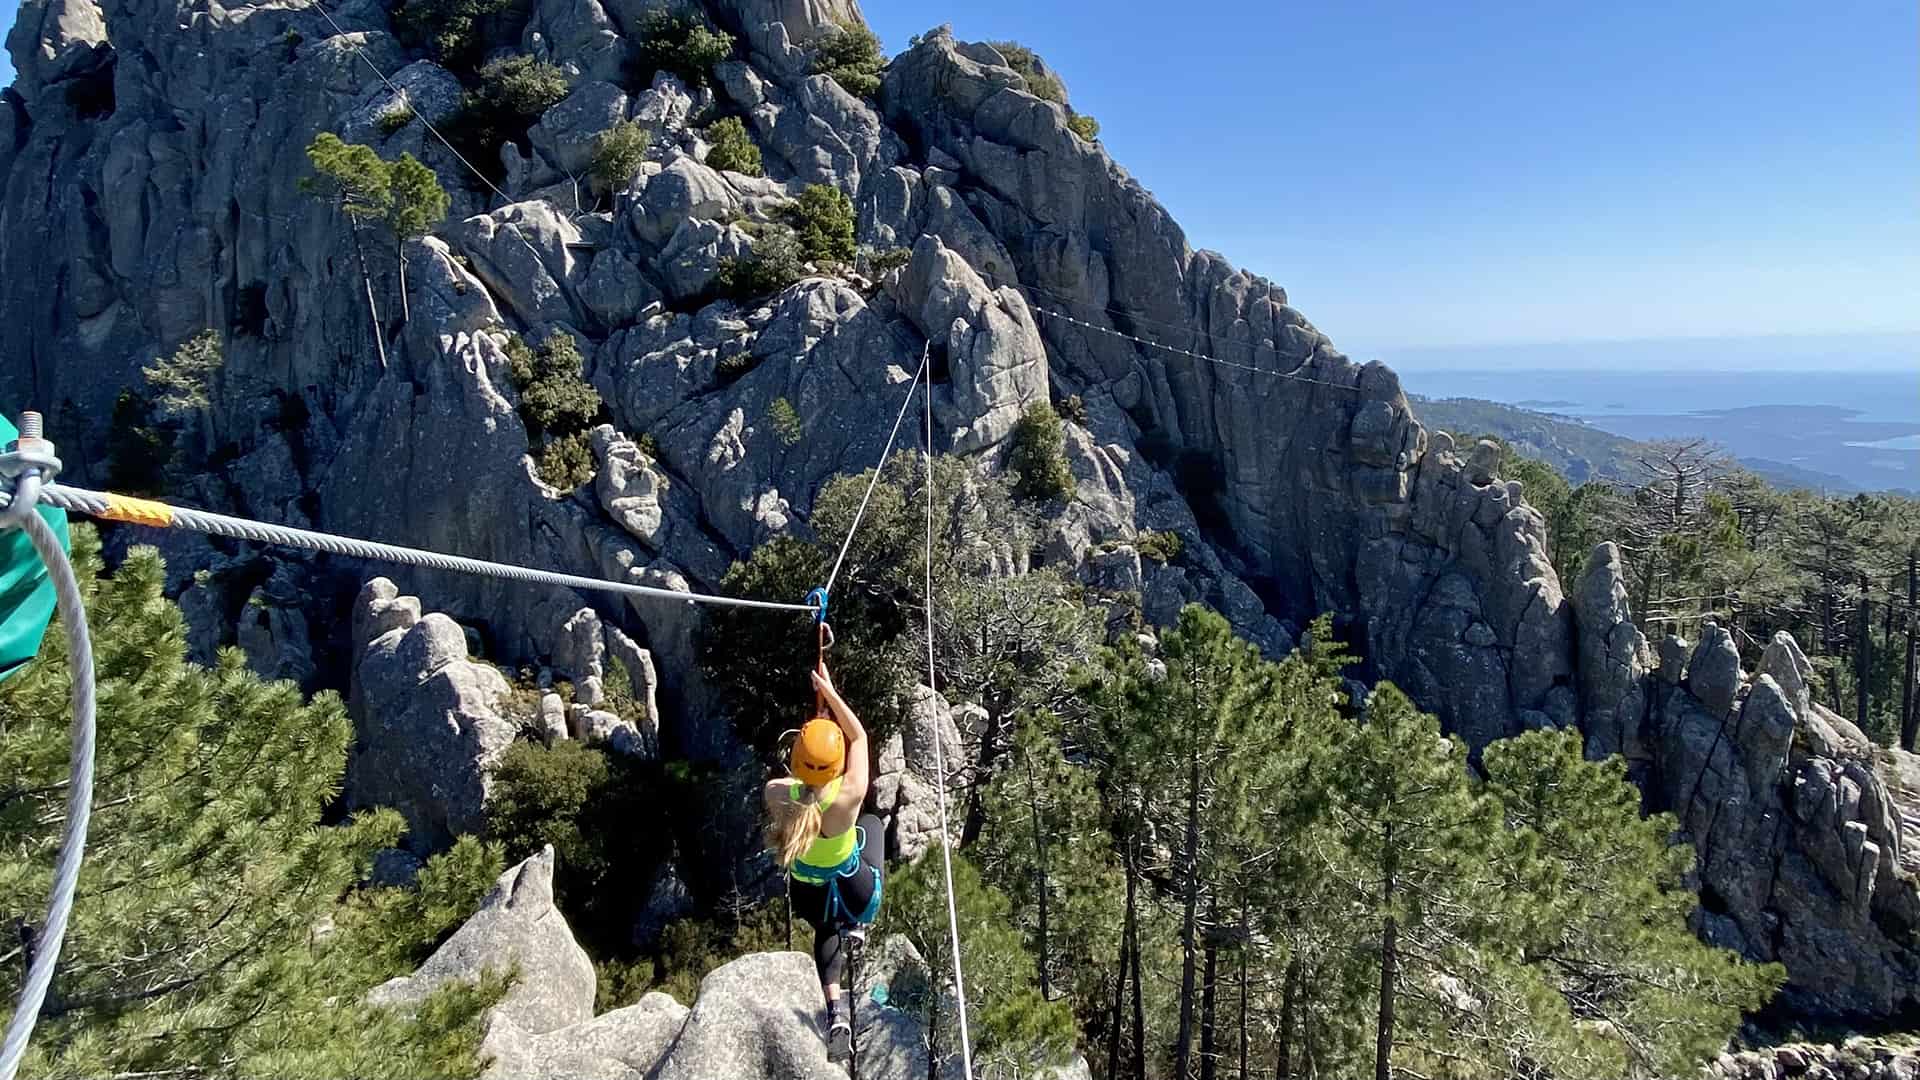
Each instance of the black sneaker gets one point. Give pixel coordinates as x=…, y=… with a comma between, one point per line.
x=839, y=1036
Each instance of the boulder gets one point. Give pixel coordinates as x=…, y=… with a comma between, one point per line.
x=429, y=91
x=994, y=352
x=616, y=290
x=553, y=719
x=683, y=191
x=579, y=647
x=272, y=629
x=778, y=31
x=631, y=487
x=567, y=134
x=1673, y=659
x=427, y=722
x=1713, y=673
x=642, y=683
x=760, y=1017
x=695, y=253
x=516, y=928
x=55, y=40
x=525, y=253
x=620, y=1045
x=1790, y=670
x=580, y=37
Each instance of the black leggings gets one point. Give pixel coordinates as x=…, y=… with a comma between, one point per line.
x=814, y=904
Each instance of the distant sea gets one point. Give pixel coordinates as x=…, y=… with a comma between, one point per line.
x=1856, y=430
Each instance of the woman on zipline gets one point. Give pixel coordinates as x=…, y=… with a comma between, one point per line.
x=832, y=851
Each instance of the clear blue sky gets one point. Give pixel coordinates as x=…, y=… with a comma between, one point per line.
x=1426, y=174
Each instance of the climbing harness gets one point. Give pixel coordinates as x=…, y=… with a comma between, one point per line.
x=27, y=466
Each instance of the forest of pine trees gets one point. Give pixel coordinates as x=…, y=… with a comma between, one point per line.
x=1703, y=538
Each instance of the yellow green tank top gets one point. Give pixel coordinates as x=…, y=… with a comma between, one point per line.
x=828, y=852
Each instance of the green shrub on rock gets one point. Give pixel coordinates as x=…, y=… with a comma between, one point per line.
x=1037, y=456
x=567, y=462
x=394, y=119
x=557, y=405
x=619, y=152
x=851, y=56
x=733, y=150
x=1040, y=83
x=1046, y=86
x=512, y=93
x=679, y=43
x=447, y=29
x=554, y=399
x=786, y=421
x=521, y=85
x=1159, y=546
x=776, y=262
x=823, y=219
x=880, y=263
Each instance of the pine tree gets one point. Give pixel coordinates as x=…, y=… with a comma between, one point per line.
x=403, y=195
x=1412, y=829
x=1016, y=1032
x=1047, y=847
x=1600, y=906
x=217, y=928
x=1192, y=746
x=418, y=204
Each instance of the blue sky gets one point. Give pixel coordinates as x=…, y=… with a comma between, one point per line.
x=1429, y=175
x=1434, y=174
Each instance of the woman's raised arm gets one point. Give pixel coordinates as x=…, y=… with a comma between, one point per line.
x=853, y=788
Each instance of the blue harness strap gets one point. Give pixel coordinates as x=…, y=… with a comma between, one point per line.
x=837, y=913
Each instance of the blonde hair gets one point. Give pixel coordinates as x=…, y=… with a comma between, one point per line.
x=796, y=825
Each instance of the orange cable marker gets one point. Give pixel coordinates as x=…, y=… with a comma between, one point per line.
x=138, y=511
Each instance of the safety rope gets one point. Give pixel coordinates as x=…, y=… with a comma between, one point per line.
x=111, y=507
x=926, y=355
x=940, y=772
x=1293, y=376
x=21, y=513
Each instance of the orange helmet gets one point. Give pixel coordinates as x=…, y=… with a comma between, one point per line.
x=819, y=753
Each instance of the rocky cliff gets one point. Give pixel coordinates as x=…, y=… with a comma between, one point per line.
x=152, y=151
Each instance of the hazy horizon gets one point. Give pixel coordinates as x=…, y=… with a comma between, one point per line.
x=1890, y=353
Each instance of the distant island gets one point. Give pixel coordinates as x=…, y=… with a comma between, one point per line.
x=1841, y=430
